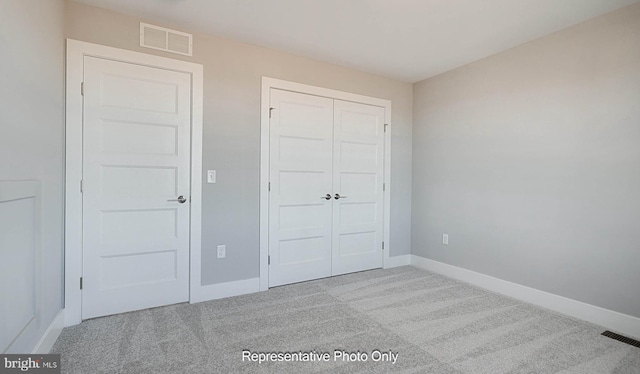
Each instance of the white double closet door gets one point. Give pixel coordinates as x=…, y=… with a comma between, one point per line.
x=326, y=187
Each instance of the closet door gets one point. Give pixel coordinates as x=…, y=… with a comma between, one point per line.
x=358, y=166
x=301, y=142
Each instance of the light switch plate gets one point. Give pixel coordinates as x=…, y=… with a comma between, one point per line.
x=222, y=251
x=445, y=238
x=211, y=176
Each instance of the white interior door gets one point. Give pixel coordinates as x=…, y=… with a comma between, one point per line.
x=136, y=156
x=358, y=167
x=326, y=187
x=301, y=141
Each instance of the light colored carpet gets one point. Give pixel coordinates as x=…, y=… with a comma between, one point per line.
x=433, y=323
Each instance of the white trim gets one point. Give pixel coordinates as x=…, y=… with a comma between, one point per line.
x=76, y=50
x=50, y=336
x=267, y=85
x=264, y=182
x=621, y=323
x=386, y=260
x=197, y=111
x=396, y=261
x=228, y=289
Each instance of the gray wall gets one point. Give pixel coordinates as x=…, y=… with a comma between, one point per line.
x=233, y=72
x=530, y=161
x=32, y=126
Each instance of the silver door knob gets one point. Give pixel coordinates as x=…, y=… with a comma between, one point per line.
x=338, y=197
x=181, y=199
x=326, y=197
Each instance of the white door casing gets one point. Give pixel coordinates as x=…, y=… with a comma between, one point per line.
x=321, y=148
x=301, y=163
x=136, y=158
x=358, y=167
x=77, y=51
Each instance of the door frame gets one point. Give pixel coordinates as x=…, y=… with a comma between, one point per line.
x=267, y=85
x=76, y=51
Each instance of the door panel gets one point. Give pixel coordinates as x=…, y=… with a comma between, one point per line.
x=301, y=140
x=164, y=269
x=161, y=140
x=358, y=165
x=136, y=157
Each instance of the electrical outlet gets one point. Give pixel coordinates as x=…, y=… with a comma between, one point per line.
x=222, y=251
x=445, y=238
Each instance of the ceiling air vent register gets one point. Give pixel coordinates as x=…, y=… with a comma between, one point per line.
x=164, y=39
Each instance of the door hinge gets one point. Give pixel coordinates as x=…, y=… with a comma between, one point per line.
x=82, y=88
x=269, y=260
x=384, y=186
x=81, y=185
x=269, y=186
x=80, y=282
x=385, y=127
x=382, y=245
x=270, y=110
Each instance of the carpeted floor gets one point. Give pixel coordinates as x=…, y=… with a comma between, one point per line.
x=434, y=325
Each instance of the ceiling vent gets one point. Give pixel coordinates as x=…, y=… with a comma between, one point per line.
x=164, y=39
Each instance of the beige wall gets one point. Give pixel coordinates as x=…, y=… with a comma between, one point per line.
x=530, y=161
x=233, y=72
x=32, y=137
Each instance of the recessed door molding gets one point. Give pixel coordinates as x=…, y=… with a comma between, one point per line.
x=76, y=52
x=271, y=83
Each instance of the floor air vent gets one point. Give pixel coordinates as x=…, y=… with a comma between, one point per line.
x=164, y=39
x=621, y=338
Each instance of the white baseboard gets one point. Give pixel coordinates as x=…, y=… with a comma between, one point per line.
x=615, y=321
x=221, y=290
x=393, y=262
x=50, y=336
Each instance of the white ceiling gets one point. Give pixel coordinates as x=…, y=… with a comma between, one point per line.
x=408, y=40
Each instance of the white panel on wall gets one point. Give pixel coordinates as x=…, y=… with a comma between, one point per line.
x=20, y=268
